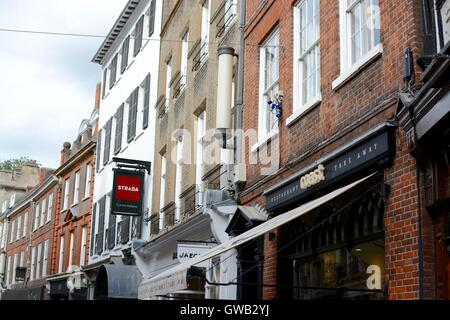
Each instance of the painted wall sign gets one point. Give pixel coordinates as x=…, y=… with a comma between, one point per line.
x=313, y=178
x=374, y=280
x=188, y=251
x=373, y=152
x=127, y=194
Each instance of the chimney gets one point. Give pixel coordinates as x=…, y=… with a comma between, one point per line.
x=65, y=152
x=97, y=96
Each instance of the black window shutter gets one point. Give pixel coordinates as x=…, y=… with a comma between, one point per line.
x=94, y=214
x=104, y=82
x=99, y=150
x=429, y=23
x=101, y=221
x=111, y=230
x=113, y=68
x=146, y=102
x=138, y=35
x=119, y=127
x=125, y=49
x=107, y=148
x=151, y=23
x=132, y=113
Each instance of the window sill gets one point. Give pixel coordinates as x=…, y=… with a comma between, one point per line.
x=264, y=141
x=138, y=136
x=303, y=111
x=351, y=72
x=85, y=198
x=203, y=63
x=74, y=204
x=129, y=65
x=123, y=150
x=145, y=43
x=106, y=95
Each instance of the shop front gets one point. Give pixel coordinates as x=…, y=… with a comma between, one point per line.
x=70, y=285
x=183, y=242
x=337, y=250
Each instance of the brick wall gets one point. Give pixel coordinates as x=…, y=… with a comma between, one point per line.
x=366, y=100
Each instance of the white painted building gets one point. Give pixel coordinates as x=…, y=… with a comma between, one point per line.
x=129, y=59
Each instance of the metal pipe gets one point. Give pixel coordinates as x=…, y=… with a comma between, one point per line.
x=240, y=89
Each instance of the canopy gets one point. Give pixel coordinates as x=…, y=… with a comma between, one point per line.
x=175, y=278
x=116, y=281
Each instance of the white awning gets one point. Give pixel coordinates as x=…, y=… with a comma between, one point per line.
x=174, y=279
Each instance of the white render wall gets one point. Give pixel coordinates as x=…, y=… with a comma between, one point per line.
x=142, y=146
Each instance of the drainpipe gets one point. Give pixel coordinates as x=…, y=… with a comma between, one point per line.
x=240, y=180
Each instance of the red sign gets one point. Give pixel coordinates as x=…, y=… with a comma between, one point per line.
x=128, y=188
x=128, y=192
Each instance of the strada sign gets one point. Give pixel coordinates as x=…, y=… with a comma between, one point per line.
x=127, y=194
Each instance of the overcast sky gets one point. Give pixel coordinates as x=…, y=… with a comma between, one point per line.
x=47, y=82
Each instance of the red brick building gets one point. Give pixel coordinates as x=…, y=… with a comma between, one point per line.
x=38, y=261
x=339, y=68
x=72, y=223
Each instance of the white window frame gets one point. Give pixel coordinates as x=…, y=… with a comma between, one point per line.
x=45, y=259
x=12, y=201
x=71, y=249
x=49, y=208
x=8, y=271
x=83, y=245
x=43, y=213
x=301, y=58
x=1, y=235
x=168, y=78
x=178, y=178
x=162, y=192
x=22, y=259
x=348, y=67
x=25, y=224
x=14, y=267
x=38, y=261
x=230, y=13
x=205, y=31
x=37, y=212
x=61, y=254
x=265, y=133
x=19, y=224
x=184, y=59
x=76, y=189
x=66, y=193
x=199, y=163
x=33, y=263
x=88, y=183
x=4, y=206
x=11, y=234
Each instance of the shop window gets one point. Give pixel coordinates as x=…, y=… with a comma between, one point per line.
x=338, y=251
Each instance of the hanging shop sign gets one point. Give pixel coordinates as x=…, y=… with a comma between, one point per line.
x=374, y=150
x=127, y=194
